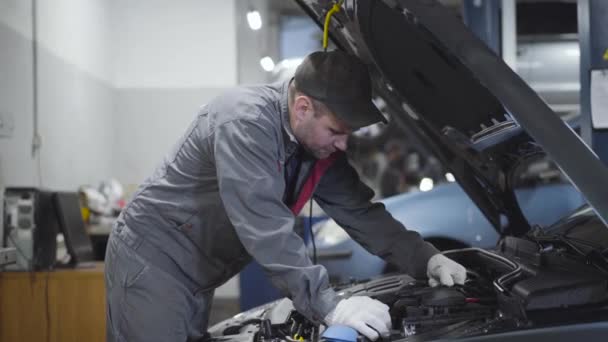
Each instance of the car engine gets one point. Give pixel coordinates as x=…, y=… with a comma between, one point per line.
x=518, y=286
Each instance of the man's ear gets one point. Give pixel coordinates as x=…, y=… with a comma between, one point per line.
x=302, y=106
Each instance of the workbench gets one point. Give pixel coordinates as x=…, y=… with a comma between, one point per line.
x=56, y=306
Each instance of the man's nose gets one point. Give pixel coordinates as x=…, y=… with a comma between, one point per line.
x=341, y=143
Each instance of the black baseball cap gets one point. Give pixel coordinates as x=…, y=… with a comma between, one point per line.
x=340, y=81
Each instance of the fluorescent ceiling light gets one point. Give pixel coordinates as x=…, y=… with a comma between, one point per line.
x=450, y=177
x=426, y=184
x=254, y=19
x=267, y=63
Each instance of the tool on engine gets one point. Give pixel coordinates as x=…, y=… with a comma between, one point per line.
x=339, y=333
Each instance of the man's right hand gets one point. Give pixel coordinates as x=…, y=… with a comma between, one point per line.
x=368, y=316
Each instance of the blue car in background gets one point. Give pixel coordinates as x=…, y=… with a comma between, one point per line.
x=457, y=223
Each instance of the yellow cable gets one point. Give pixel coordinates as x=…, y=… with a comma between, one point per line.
x=335, y=8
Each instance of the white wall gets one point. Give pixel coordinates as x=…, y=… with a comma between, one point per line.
x=170, y=58
x=72, y=93
x=78, y=32
x=17, y=167
x=118, y=82
x=76, y=97
x=174, y=44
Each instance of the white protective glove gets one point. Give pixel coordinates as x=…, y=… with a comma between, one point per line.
x=445, y=271
x=368, y=316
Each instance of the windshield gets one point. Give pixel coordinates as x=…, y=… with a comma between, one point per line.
x=543, y=193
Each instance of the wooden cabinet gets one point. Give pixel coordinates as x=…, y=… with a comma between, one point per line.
x=58, y=306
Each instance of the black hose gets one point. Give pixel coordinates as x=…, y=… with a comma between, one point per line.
x=312, y=234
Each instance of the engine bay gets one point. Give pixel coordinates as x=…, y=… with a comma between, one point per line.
x=520, y=285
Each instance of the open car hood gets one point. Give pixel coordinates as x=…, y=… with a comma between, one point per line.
x=462, y=101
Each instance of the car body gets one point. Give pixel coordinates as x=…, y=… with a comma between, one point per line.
x=461, y=224
x=484, y=123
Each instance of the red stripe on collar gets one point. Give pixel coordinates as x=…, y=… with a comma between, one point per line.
x=309, y=186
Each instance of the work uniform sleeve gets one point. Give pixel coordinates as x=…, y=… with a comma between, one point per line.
x=251, y=186
x=348, y=201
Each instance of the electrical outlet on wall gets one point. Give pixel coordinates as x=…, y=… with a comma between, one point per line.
x=7, y=125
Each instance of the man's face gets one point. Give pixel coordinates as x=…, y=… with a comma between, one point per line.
x=321, y=134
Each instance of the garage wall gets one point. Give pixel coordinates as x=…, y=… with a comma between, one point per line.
x=17, y=167
x=73, y=93
x=118, y=82
x=170, y=59
x=76, y=96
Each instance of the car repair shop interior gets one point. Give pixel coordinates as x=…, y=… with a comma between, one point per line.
x=95, y=93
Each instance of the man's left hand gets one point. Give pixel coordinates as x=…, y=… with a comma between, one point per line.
x=443, y=270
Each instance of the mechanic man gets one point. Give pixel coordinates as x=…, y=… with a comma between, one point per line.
x=229, y=191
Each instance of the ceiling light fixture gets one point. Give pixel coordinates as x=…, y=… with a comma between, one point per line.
x=450, y=177
x=254, y=20
x=267, y=63
x=426, y=184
